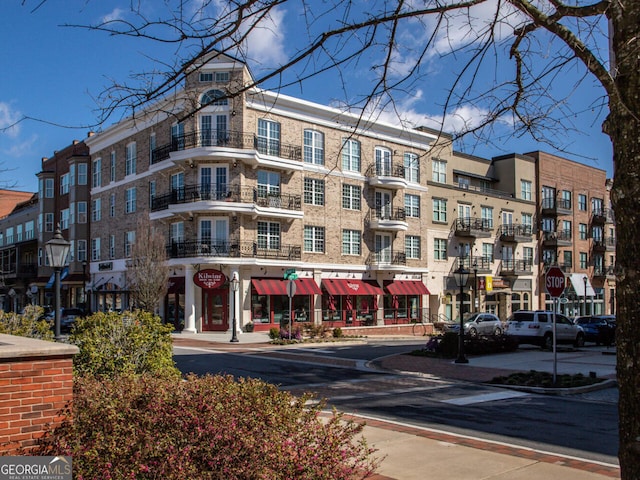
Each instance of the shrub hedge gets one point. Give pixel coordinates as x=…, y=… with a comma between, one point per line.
x=115, y=343
x=29, y=324
x=212, y=427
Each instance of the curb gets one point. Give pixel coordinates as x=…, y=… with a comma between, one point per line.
x=608, y=383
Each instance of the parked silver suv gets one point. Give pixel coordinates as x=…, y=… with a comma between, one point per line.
x=536, y=328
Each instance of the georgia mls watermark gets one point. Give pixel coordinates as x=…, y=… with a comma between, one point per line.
x=35, y=468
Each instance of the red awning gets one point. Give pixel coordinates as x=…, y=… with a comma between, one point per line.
x=407, y=287
x=277, y=286
x=337, y=286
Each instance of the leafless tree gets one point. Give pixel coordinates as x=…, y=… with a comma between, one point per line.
x=147, y=273
x=513, y=58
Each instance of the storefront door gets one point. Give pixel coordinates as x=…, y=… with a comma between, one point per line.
x=215, y=310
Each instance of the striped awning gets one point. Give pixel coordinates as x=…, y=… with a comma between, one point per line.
x=338, y=286
x=407, y=287
x=278, y=286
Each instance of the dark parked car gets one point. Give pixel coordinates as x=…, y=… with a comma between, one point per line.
x=67, y=318
x=598, y=328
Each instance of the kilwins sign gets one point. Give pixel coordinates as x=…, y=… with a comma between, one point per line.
x=209, y=279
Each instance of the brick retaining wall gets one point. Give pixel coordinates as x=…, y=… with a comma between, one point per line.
x=36, y=382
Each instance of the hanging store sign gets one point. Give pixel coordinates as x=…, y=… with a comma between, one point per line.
x=209, y=279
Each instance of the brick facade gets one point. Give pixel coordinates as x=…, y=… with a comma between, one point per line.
x=36, y=384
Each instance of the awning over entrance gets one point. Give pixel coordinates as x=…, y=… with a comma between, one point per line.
x=407, y=287
x=577, y=282
x=337, y=286
x=276, y=286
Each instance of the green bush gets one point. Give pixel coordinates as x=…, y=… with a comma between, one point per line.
x=210, y=427
x=130, y=342
x=337, y=332
x=27, y=324
x=274, y=333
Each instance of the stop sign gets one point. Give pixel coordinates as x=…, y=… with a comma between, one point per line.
x=555, y=281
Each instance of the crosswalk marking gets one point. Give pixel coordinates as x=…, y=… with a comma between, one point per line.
x=485, y=397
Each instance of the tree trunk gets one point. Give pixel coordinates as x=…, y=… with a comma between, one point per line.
x=623, y=126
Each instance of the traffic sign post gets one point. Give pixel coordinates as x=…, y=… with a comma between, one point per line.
x=291, y=291
x=555, y=282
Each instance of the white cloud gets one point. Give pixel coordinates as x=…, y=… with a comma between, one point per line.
x=266, y=41
x=8, y=121
x=115, y=14
x=22, y=149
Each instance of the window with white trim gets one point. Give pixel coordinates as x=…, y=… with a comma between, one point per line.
x=29, y=230
x=351, y=242
x=83, y=173
x=350, y=155
x=129, y=240
x=112, y=166
x=48, y=222
x=112, y=246
x=112, y=205
x=97, y=173
x=439, y=171
x=313, y=191
x=9, y=234
x=525, y=189
x=412, y=246
x=130, y=200
x=411, y=167
x=314, y=239
x=412, y=205
x=96, y=210
x=487, y=216
x=313, y=147
x=95, y=249
x=439, y=210
x=176, y=232
x=130, y=162
x=19, y=233
x=64, y=184
x=351, y=197
x=439, y=248
x=269, y=235
x=82, y=250
x=64, y=219
x=48, y=188
x=268, y=141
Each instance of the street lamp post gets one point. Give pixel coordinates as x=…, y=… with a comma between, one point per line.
x=235, y=284
x=584, y=279
x=461, y=276
x=57, y=250
x=476, y=293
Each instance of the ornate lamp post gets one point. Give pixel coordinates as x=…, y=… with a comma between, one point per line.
x=476, y=293
x=235, y=284
x=584, y=279
x=461, y=275
x=57, y=250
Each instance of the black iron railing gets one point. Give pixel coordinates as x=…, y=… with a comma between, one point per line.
x=232, y=249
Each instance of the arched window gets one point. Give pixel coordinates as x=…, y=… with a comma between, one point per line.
x=214, y=97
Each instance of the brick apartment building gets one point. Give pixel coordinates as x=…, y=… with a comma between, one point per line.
x=374, y=218
x=577, y=232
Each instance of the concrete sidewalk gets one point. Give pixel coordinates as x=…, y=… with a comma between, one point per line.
x=409, y=452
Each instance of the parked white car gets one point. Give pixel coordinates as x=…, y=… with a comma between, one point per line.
x=536, y=328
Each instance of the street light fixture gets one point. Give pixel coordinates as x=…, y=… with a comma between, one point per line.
x=235, y=284
x=57, y=250
x=461, y=276
x=476, y=293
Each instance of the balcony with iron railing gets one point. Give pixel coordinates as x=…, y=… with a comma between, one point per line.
x=553, y=206
x=388, y=218
x=561, y=238
x=602, y=216
x=515, y=233
x=233, y=249
x=216, y=198
x=390, y=176
x=386, y=259
x=516, y=267
x=473, y=227
x=227, y=139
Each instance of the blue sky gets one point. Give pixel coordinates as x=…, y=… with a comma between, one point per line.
x=53, y=73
